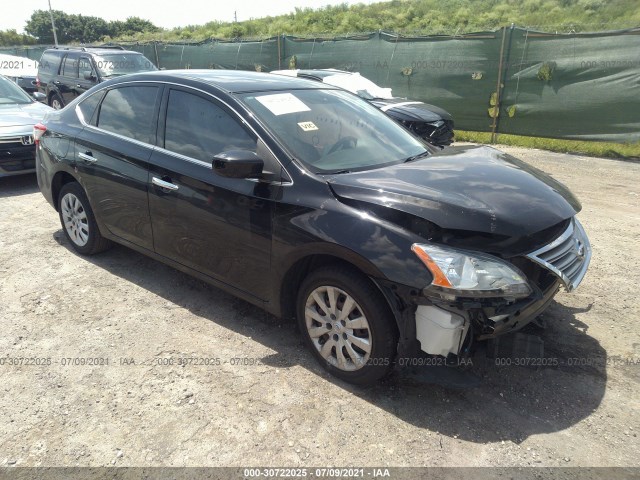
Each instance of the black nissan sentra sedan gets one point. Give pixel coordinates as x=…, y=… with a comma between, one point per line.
x=307, y=201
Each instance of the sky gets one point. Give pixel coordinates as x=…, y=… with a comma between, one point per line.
x=167, y=14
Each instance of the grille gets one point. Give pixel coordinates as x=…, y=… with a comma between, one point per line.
x=567, y=257
x=14, y=156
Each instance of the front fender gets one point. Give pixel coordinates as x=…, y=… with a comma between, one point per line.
x=377, y=247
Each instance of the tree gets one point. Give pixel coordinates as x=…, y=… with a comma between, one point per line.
x=39, y=25
x=82, y=29
x=11, y=37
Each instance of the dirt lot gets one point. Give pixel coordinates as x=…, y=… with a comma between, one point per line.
x=139, y=410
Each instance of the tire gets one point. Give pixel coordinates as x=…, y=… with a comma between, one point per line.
x=367, y=350
x=55, y=102
x=78, y=221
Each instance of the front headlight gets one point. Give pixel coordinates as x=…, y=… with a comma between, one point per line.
x=471, y=274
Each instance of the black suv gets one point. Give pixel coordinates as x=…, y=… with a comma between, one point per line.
x=66, y=73
x=308, y=201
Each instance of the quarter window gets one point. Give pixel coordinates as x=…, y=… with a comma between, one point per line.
x=198, y=128
x=50, y=62
x=129, y=111
x=88, y=107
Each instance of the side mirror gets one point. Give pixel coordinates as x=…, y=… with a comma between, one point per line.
x=39, y=96
x=238, y=164
x=89, y=76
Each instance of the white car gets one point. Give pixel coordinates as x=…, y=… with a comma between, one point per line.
x=19, y=112
x=429, y=122
x=21, y=70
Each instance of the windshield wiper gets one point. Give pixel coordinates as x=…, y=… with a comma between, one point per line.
x=415, y=157
x=338, y=172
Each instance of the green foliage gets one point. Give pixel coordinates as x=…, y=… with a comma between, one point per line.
x=404, y=16
x=11, y=37
x=545, y=73
x=431, y=17
x=625, y=151
x=72, y=28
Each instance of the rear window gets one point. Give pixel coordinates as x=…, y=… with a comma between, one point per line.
x=128, y=111
x=50, y=62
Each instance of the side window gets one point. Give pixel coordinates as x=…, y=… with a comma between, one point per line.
x=198, y=128
x=70, y=68
x=88, y=107
x=85, y=68
x=129, y=111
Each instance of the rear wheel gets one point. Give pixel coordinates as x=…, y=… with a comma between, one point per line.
x=78, y=222
x=55, y=102
x=347, y=324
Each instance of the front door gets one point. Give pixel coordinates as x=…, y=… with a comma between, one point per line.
x=218, y=226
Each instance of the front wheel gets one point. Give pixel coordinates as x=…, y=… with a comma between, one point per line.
x=347, y=324
x=78, y=221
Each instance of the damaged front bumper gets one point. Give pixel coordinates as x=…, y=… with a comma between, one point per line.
x=434, y=323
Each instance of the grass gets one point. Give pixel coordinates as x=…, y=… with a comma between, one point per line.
x=624, y=151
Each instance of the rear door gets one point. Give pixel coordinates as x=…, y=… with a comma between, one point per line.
x=68, y=78
x=112, y=155
x=218, y=226
x=48, y=69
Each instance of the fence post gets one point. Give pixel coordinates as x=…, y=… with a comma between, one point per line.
x=279, y=53
x=501, y=74
x=496, y=108
x=155, y=46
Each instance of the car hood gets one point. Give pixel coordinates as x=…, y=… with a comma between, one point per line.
x=411, y=110
x=465, y=188
x=16, y=115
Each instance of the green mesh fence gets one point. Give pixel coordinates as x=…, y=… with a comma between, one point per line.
x=583, y=87
x=512, y=80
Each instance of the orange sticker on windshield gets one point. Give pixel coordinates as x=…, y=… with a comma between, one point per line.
x=307, y=126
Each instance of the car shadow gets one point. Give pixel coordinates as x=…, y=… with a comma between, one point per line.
x=507, y=403
x=18, y=185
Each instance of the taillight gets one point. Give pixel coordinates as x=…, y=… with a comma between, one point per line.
x=38, y=131
x=37, y=81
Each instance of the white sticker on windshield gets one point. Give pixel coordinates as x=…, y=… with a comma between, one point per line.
x=282, y=103
x=307, y=126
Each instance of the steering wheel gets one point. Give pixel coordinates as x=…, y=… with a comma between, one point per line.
x=343, y=144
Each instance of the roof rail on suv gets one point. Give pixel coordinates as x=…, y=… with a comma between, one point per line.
x=85, y=49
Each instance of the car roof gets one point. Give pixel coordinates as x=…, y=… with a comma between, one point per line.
x=95, y=50
x=318, y=74
x=322, y=73
x=232, y=81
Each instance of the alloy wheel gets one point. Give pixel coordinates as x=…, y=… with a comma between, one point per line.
x=75, y=219
x=338, y=328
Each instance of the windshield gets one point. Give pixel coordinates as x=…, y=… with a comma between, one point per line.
x=11, y=94
x=114, y=64
x=333, y=131
x=356, y=83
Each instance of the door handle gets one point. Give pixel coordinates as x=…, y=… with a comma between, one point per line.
x=87, y=157
x=163, y=184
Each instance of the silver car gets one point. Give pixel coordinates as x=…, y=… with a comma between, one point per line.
x=19, y=112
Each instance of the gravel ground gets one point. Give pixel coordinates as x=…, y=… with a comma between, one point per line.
x=281, y=409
